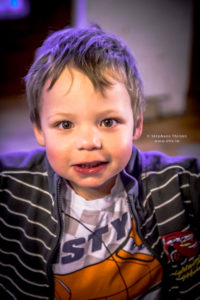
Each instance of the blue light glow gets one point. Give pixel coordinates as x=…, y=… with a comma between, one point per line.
x=14, y=3
x=14, y=9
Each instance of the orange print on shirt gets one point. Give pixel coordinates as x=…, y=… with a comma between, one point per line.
x=140, y=272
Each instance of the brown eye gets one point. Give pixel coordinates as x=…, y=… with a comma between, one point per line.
x=65, y=125
x=108, y=123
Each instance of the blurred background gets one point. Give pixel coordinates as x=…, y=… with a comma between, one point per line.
x=163, y=36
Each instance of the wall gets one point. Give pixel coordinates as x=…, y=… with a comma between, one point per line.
x=159, y=33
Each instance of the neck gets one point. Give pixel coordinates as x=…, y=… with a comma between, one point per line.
x=94, y=193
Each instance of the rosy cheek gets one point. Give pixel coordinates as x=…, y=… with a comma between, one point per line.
x=125, y=144
x=53, y=153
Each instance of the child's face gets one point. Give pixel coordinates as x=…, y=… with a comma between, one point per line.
x=88, y=136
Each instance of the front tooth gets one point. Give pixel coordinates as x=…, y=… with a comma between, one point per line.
x=89, y=165
x=84, y=166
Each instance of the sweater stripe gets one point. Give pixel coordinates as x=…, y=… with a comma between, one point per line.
x=172, y=218
x=167, y=201
x=151, y=232
x=24, y=279
x=191, y=288
x=25, y=234
x=30, y=185
x=158, y=188
x=184, y=186
x=22, y=291
x=9, y=292
x=22, y=263
x=25, y=172
x=187, y=201
x=21, y=246
x=30, y=221
x=156, y=242
x=30, y=203
x=149, y=219
x=144, y=175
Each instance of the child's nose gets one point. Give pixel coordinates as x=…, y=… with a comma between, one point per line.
x=88, y=139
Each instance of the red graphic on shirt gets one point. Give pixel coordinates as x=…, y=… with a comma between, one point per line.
x=105, y=280
x=180, y=245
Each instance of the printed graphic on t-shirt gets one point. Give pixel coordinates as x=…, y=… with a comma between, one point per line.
x=89, y=247
x=131, y=270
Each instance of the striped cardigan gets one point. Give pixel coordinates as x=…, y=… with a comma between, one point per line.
x=164, y=198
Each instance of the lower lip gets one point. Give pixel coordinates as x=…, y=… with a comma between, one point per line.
x=92, y=170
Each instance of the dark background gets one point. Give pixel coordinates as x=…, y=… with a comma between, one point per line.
x=20, y=38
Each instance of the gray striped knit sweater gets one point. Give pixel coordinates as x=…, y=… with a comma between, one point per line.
x=164, y=198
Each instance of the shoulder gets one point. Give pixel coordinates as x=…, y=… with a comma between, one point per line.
x=23, y=171
x=155, y=161
x=32, y=161
x=155, y=164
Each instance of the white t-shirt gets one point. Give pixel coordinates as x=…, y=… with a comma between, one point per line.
x=101, y=255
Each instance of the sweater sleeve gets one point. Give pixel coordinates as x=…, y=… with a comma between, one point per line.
x=194, y=187
x=178, y=174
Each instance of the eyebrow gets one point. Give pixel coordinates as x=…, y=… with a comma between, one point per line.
x=70, y=115
x=109, y=112
x=61, y=115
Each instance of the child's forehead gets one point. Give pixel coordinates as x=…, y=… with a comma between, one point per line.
x=68, y=80
x=72, y=77
x=73, y=89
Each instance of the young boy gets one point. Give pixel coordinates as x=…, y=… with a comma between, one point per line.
x=92, y=217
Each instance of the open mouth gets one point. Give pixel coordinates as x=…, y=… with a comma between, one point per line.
x=91, y=165
x=90, y=168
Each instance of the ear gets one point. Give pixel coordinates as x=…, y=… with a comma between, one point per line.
x=39, y=135
x=138, y=128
